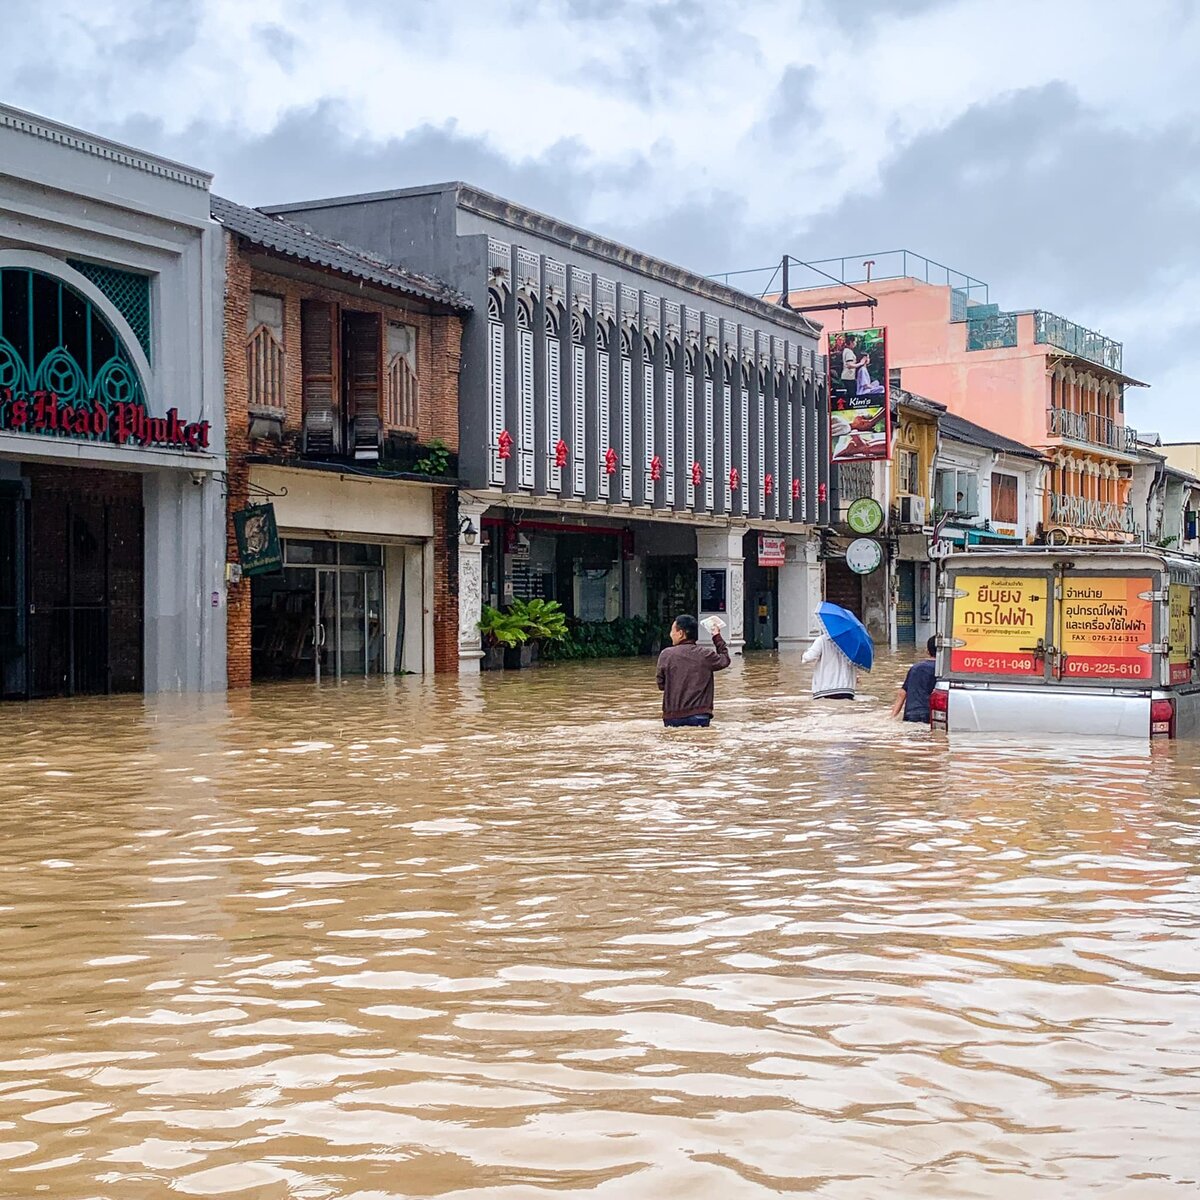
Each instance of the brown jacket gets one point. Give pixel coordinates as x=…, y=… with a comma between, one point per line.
x=685, y=677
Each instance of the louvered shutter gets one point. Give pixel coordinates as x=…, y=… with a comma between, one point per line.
x=364, y=359
x=321, y=380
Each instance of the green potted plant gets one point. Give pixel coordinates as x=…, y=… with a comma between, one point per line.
x=543, y=621
x=500, y=632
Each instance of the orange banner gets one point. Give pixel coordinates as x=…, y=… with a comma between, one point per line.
x=1103, y=624
x=998, y=621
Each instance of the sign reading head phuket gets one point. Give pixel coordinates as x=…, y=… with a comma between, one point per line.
x=860, y=420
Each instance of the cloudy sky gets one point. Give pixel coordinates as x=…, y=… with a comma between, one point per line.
x=1049, y=147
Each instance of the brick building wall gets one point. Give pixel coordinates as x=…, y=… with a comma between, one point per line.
x=439, y=340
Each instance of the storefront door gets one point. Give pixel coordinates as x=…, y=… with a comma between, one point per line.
x=322, y=616
x=906, y=603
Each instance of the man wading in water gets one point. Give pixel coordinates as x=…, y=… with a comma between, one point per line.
x=685, y=673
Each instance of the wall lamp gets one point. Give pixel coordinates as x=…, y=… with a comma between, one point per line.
x=466, y=528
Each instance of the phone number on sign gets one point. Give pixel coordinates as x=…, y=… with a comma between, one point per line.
x=995, y=662
x=1134, y=668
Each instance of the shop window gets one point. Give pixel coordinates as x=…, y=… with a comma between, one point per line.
x=264, y=353
x=403, y=395
x=909, y=475
x=1004, y=498
x=958, y=492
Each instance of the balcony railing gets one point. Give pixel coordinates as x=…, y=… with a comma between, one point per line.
x=1057, y=331
x=1093, y=429
x=1091, y=514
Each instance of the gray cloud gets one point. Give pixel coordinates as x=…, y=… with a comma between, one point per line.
x=792, y=106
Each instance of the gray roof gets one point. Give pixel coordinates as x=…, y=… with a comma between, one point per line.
x=961, y=430
x=293, y=240
x=574, y=238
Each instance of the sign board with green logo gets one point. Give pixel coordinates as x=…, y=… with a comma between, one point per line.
x=258, y=540
x=864, y=515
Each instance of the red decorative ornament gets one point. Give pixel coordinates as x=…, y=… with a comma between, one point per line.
x=656, y=468
x=697, y=474
x=769, y=485
x=734, y=479
x=610, y=461
x=822, y=492
x=504, y=444
x=795, y=489
x=561, y=451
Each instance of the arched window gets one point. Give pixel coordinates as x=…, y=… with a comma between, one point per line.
x=577, y=328
x=53, y=339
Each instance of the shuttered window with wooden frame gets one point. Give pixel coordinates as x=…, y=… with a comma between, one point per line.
x=363, y=366
x=403, y=386
x=265, y=360
x=320, y=361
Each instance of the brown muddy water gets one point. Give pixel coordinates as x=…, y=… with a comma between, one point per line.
x=508, y=938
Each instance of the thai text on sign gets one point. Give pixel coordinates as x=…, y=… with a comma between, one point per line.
x=998, y=622
x=1181, y=633
x=1106, y=626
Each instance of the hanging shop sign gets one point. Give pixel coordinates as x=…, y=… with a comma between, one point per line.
x=864, y=515
x=860, y=417
x=1106, y=627
x=864, y=555
x=258, y=540
x=771, y=550
x=123, y=423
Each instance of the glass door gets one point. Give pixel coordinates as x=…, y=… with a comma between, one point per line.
x=352, y=631
x=325, y=625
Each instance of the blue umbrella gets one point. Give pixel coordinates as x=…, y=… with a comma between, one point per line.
x=848, y=634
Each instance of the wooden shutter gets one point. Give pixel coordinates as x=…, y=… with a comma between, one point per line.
x=321, y=380
x=363, y=365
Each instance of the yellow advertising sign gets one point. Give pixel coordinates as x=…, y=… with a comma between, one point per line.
x=1180, y=635
x=998, y=623
x=1103, y=623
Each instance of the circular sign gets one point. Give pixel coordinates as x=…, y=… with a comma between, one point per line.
x=864, y=515
x=864, y=555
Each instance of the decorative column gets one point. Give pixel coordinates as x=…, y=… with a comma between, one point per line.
x=719, y=551
x=800, y=592
x=470, y=583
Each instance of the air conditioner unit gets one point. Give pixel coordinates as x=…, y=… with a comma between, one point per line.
x=912, y=510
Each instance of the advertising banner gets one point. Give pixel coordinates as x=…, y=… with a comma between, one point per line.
x=1105, y=623
x=1180, y=635
x=860, y=419
x=258, y=540
x=997, y=623
x=771, y=550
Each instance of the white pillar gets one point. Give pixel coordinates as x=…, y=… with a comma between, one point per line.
x=721, y=550
x=470, y=586
x=800, y=591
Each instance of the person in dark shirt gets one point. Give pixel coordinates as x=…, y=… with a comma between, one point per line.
x=918, y=685
x=685, y=673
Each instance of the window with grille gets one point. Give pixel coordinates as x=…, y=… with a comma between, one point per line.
x=1004, y=498
x=403, y=391
x=909, y=481
x=265, y=360
x=855, y=481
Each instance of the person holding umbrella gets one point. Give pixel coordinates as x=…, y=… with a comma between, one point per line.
x=842, y=646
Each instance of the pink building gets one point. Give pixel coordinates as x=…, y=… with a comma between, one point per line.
x=1029, y=375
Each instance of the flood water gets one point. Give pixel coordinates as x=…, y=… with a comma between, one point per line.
x=509, y=938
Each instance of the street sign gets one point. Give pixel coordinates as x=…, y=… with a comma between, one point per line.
x=865, y=515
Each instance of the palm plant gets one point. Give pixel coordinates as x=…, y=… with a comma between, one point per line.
x=544, y=620
x=502, y=628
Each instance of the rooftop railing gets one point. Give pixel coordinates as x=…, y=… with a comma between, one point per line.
x=1057, y=331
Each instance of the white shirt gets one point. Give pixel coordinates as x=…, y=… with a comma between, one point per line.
x=849, y=361
x=834, y=672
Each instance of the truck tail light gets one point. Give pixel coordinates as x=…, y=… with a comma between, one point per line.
x=1162, y=718
x=939, y=707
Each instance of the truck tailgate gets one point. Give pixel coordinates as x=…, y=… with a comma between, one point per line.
x=1047, y=710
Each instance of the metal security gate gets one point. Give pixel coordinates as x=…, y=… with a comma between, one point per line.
x=71, y=584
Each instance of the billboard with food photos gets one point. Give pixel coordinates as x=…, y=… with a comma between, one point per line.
x=860, y=418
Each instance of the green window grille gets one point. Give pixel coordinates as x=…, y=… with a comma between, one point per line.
x=53, y=340
x=129, y=293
